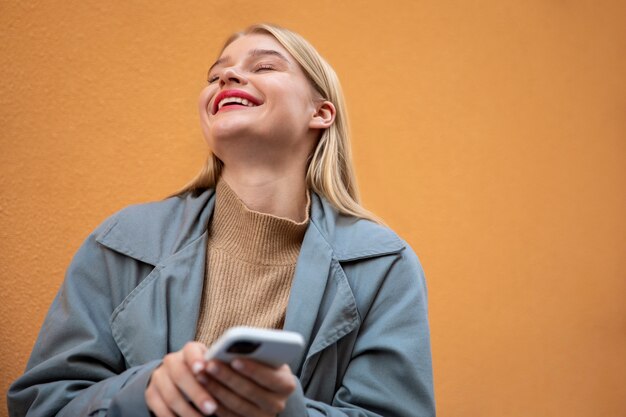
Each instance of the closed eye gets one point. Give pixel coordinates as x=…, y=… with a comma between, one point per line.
x=262, y=67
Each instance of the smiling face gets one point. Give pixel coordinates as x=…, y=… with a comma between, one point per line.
x=258, y=103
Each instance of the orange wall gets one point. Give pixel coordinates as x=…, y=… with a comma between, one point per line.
x=491, y=136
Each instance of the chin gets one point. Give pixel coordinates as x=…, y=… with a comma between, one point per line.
x=228, y=133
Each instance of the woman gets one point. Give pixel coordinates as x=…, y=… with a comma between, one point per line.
x=269, y=234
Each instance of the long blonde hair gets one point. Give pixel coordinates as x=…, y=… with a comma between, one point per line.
x=330, y=171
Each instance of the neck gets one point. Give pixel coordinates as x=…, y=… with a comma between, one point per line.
x=282, y=194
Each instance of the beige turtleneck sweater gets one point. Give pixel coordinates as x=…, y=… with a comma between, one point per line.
x=251, y=259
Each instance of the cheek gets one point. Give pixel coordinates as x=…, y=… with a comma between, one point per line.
x=293, y=100
x=205, y=97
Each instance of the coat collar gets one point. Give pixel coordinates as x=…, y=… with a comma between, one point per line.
x=152, y=232
x=172, y=236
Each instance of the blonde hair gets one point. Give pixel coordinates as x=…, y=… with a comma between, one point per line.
x=330, y=172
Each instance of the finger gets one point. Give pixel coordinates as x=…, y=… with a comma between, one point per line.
x=225, y=412
x=279, y=380
x=243, y=387
x=173, y=397
x=188, y=384
x=193, y=354
x=191, y=386
x=230, y=403
x=156, y=404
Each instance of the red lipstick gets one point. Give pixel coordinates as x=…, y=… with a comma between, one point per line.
x=233, y=93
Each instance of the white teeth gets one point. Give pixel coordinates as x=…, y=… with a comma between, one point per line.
x=239, y=100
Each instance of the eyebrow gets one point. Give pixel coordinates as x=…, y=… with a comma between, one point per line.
x=253, y=53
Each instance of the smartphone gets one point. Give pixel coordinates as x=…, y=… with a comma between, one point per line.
x=271, y=347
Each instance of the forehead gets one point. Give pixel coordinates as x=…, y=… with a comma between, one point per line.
x=243, y=45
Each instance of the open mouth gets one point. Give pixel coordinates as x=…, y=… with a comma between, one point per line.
x=231, y=99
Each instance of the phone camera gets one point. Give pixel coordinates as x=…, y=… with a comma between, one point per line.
x=243, y=347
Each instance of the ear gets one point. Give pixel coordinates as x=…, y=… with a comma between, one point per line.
x=324, y=115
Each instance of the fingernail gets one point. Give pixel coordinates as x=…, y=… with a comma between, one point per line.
x=197, y=367
x=238, y=365
x=212, y=368
x=208, y=407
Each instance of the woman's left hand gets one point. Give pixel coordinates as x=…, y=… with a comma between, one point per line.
x=249, y=388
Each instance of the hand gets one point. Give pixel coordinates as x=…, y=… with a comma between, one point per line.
x=248, y=388
x=175, y=385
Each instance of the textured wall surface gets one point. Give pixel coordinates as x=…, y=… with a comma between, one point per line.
x=491, y=135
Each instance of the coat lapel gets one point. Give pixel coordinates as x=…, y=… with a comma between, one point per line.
x=160, y=315
x=321, y=305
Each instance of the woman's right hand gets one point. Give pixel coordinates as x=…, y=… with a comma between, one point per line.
x=175, y=385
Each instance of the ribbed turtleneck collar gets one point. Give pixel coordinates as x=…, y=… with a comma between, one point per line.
x=253, y=236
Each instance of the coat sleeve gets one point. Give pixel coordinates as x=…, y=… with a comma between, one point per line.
x=390, y=369
x=76, y=368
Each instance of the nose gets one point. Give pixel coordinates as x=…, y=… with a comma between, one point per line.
x=231, y=75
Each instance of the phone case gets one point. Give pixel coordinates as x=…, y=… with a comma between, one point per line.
x=271, y=347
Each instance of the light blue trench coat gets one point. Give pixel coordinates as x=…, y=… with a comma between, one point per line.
x=132, y=294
